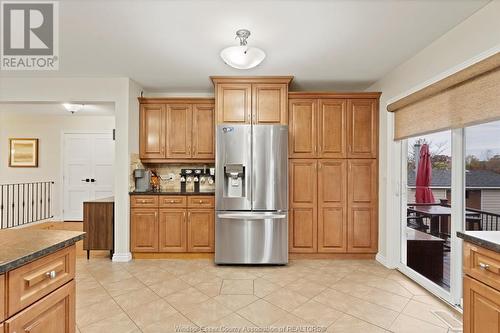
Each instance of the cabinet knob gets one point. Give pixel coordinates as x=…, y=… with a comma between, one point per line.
x=484, y=266
x=51, y=275
x=201, y=201
x=171, y=201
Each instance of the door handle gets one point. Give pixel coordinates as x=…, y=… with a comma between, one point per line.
x=92, y=180
x=86, y=180
x=251, y=216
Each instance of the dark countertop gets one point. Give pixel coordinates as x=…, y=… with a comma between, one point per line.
x=488, y=239
x=172, y=193
x=20, y=246
x=102, y=200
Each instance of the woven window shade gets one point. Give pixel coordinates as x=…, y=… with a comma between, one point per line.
x=467, y=97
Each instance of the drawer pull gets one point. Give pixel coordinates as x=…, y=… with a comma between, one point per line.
x=201, y=201
x=143, y=201
x=484, y=266
x=51, y=275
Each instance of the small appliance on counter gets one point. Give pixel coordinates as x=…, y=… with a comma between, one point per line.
x=193, y=179
x=142, y=180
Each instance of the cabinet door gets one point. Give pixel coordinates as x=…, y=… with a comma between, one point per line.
x=201, y=230
x=179, y=125
x=332, y=127
x=203, y=131
x=303, y=203
x=152, y=131
x=269, y=103
x=332, y=206
x=302, y=138
x=362, y=206
x=144, y=230
x=234, y=101
x=481, y=307
x=172, y=230
x=362, y=128
x=54, y=313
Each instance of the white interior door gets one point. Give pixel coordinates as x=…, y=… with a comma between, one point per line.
x=87, y=171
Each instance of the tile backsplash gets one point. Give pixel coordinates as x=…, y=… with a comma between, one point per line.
x=164, y=171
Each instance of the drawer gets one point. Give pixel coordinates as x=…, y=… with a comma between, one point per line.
x=54, y=313
x=28, y=283
x=172, y=201
x=482, y=264
x=144, y=201
x=201, y=201
x=2, y=299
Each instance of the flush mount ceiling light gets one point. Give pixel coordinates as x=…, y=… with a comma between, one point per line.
x=73, y=108
x=242, y=56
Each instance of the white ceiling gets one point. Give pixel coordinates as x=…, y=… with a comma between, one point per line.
x=57, y=109
x=173, y=46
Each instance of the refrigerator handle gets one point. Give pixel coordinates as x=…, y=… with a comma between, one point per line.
x=239, y=216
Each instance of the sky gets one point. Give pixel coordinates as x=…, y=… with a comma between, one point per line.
x=478, y=140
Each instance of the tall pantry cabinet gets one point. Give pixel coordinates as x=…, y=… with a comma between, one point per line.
x=333, y=143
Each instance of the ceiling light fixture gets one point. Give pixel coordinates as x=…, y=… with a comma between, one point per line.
x=73, y=108
x=242, y=56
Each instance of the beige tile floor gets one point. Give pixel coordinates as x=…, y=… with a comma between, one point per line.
x=183, y=295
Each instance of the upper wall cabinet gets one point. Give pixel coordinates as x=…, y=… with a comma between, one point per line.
x=333, y=125
x=362, y=128
x=247, y=100
x=177, y=130
x=152, y=131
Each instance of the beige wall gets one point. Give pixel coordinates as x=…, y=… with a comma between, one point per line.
x=472, y=40
x=49, y=130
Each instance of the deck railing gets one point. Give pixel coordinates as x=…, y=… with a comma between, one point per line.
x=24, y=203
x=487, y=221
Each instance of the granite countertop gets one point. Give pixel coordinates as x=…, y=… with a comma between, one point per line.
x=488, y=239
x=20, y=246
x=173, y=193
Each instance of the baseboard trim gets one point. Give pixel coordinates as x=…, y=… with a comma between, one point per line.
x=383, y=260
x=368, y=256
x=170, y=255
x=122, y=257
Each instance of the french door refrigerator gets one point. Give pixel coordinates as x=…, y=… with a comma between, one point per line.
x=251, y=224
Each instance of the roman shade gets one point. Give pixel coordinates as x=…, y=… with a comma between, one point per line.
x=469, y=96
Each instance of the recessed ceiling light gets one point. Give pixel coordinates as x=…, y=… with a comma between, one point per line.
x=242, y=56
x=73, y=108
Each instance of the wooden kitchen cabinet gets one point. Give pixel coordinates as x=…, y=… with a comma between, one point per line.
x=302, y=128
x=269, y=103
x=201, y=230
x=332, y=123
x=203, y=133
x=362, y=232
x=144, y=229
x=54, y=313
x=152, y=131
x=303, y=226
x=362, y=128
x=247, y=100
x=172, y=230
x=481, y=307
x=177, y=224
x=177, y=130
x=332, y=206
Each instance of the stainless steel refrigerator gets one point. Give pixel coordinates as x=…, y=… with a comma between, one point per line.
x=251, y=224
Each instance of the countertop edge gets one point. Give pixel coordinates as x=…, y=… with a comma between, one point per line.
x=172, y=193
x=18, y=262
x=479, y=242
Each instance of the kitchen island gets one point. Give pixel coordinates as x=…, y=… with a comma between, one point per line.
x=481, y=281
x=37, y=287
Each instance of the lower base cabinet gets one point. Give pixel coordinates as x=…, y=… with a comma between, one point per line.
x=481, y=307
x=53, y=313
x=177, y=225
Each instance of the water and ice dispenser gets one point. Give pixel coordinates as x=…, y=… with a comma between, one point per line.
x=234, y=180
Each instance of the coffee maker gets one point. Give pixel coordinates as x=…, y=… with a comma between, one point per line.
x=142, y=180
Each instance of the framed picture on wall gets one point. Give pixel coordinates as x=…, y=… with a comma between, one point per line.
x=23, y=153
